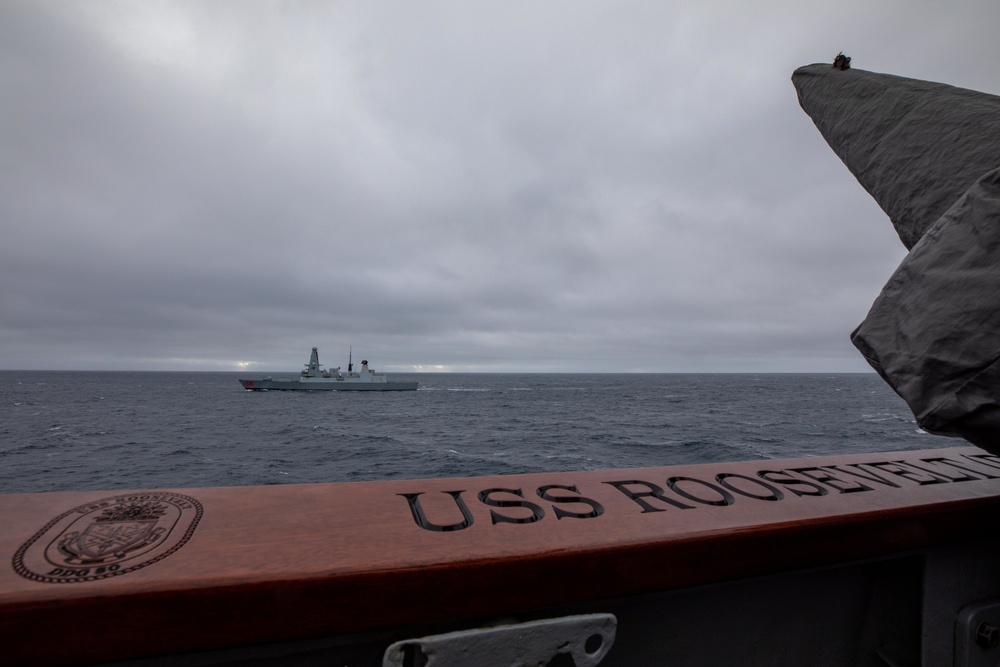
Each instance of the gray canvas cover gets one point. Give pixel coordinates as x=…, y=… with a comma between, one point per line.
x=930, y=156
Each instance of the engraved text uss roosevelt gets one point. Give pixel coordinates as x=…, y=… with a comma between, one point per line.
x=723, y=489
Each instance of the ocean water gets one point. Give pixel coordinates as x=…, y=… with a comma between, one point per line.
x=115, y=430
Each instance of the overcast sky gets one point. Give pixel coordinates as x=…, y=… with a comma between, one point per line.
x=455, y=186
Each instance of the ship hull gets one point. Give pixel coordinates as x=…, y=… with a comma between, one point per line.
x=327, y=385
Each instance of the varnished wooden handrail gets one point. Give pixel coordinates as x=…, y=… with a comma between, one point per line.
x=102, y=576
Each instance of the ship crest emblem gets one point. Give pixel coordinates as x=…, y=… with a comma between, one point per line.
x=109, y=537
x=114, y=534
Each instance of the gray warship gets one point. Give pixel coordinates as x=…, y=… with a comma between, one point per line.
x=314, y=378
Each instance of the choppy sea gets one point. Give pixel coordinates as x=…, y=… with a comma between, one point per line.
x=123, y=430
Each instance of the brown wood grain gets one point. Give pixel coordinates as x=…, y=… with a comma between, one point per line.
x=277, y=563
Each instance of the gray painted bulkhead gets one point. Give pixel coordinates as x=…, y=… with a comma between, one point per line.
x=899, y=611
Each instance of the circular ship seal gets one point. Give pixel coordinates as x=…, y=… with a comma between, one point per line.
x=109, y=537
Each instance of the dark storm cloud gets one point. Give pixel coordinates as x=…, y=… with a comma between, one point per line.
x=498, y=186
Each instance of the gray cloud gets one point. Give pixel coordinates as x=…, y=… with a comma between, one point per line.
x=498, y=186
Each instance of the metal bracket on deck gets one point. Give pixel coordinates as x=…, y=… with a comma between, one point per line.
x=580, y=641
x=977, y=635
